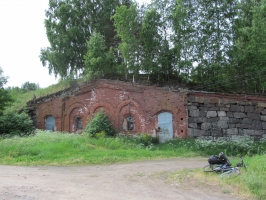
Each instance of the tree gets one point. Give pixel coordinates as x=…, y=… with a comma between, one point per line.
x=98, y=60
x=27, y=86
x=150, y=42
x=184, y=38
x=5, y=97
x=69, y=24
x=127, y=25
x=250, y=46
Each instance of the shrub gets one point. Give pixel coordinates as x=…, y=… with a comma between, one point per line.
x=98, y=124
x=12, y=124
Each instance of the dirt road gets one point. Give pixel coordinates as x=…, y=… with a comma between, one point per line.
x=140, y=180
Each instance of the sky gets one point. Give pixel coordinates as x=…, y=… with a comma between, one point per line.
x=22, y=35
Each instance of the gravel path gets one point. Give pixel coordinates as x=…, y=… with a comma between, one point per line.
x=138, y=180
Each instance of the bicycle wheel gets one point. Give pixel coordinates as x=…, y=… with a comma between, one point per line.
x=231, y=173
x=210, y=168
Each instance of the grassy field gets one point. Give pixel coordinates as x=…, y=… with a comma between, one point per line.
x=59, y=149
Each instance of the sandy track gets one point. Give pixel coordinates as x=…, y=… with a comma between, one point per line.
x=139, y=180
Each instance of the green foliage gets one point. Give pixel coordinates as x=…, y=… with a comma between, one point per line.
x=27, y=86
x=69, y=24
x=98, y=60
x=5, y=97
x=99, y=123
x=12, y=124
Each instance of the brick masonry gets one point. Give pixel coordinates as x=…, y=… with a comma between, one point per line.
x=134, y=108
x=119, y=100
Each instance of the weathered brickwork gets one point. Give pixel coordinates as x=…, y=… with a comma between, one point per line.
x=131, y=107
x=135, y=108
x=221, y=115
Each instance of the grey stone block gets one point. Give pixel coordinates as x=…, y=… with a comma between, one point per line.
x=263, y=112
x=206, y=126
x=222, y=124
x=263, y=125
x=231, y=125
x=195, y=133
x=229, y=114
x=236, y=108
x=193, y=125
x=263, y=117
x=191, y=120
x=224, y=119
x=202, y=113
x=255, y=116
x=243, y=126
x=211, y=114
x=192, y=108
x=200, y=119
x=249, y=108
x=214, y=119
x=216, y=133
x=243, y=103
x=232, y=131
x=248, y=132
x=247, y=121
x=256, y=125
x=233, y=120
x=201, y=108
x=221, y=113
x=224, y=109
x=239, y=115
x=259, y=132
x=194, y=113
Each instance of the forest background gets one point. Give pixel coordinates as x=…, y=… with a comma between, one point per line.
x=211, y=45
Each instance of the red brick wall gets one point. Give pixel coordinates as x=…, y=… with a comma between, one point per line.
x=118, y=100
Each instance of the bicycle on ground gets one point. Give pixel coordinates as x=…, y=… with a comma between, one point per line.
x=221, y=164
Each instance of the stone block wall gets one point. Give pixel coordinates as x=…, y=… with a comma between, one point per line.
x=212, y=115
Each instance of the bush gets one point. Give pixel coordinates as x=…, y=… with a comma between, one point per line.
x=99, y=124
x=12, y=124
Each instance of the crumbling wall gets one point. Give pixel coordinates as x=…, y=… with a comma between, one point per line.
x=222, y=115
x=131, y=107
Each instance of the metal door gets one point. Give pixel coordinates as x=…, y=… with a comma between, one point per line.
x=165, y=122
x=50, y=123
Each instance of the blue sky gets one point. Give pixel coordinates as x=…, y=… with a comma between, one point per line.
x=22, y=35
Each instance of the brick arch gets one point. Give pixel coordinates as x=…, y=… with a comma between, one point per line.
x=108, y=109
x=166, y=106
x=81, y=111
x=130, y=107
x=44, y=113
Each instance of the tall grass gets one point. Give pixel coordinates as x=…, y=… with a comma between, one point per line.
x=47, y=148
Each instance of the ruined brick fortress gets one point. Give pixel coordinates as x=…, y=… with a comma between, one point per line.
x=165, y=111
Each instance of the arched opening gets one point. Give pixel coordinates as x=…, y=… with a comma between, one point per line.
x=128, y=123
x=165, y=124
x=78, y=123
x=50, y=123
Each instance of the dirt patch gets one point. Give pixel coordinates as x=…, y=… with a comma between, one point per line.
x=139, y=180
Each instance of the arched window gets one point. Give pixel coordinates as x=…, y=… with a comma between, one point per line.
x=50, y=123
x=129, y=123
x=78, y=123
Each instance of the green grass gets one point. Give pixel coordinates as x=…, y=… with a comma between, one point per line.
x=46, y=148
x=64, y=149
x=250, y=184
x=21, y=98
